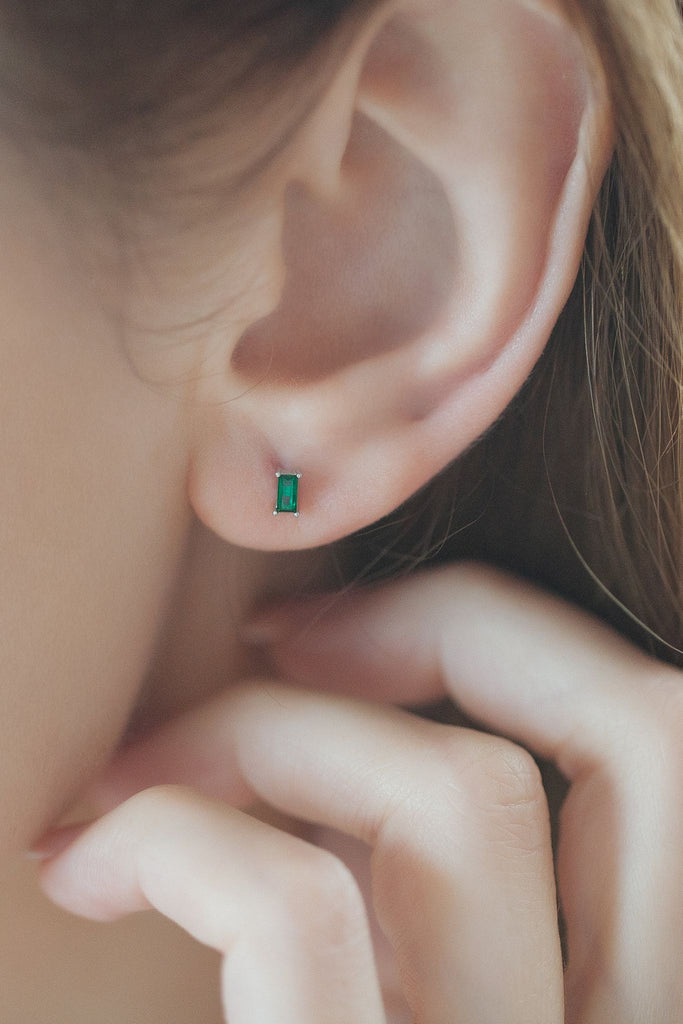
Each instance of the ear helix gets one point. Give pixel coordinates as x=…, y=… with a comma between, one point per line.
x=420, y=291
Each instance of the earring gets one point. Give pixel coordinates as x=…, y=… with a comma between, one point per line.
x=287, y=499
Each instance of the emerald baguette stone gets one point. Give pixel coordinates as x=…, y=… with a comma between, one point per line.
x=287, y=493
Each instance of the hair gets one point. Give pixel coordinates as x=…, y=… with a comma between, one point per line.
x=578, y=485
x=133, y=85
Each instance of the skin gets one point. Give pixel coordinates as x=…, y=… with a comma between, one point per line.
x=80, y=430
x=125, y=420
x=121, y=611
x=110, y=584
x=456, y=820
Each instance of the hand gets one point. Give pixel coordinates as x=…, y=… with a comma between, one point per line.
x=462, y=872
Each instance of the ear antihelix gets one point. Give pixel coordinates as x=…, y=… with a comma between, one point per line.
x=481, y=144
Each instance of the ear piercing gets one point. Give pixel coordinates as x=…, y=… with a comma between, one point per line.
x=287, y=499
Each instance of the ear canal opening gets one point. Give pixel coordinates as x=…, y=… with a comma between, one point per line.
x=365, y=275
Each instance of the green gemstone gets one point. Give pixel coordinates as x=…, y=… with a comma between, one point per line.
x=287, y=493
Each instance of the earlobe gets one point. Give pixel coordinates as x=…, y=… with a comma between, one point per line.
x=424, y=274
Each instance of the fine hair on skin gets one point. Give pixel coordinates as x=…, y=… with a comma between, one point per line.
x=578, y=485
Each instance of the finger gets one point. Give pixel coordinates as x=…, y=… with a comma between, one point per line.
x=288, y=917
x=532, y=667
x=525, y=663
x=463, y=880
x=355, y=643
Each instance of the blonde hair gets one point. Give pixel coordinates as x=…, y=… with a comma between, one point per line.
x=579, y=484
x=632, y=279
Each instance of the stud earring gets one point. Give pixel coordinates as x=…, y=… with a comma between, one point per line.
x=287, y=499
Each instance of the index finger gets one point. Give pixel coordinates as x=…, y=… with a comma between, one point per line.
x=522, y=661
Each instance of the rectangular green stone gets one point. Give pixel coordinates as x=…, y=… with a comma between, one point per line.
x=287, y=493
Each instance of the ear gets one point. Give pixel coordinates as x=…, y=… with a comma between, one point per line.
x=434, y=208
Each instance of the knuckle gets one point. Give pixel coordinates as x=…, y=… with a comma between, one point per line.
x=319, y=890
x=476, y=795
x=500, y=784
x=471, y=778
x=159, y=809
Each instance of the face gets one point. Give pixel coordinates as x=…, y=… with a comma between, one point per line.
x=95, y=432
x=118, y=390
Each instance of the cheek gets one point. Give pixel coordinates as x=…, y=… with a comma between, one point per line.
x=92, y=517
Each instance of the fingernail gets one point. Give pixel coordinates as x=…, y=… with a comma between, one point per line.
x=54, y=841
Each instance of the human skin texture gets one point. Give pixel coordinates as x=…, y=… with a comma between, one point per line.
x=160, y=360
x=93, y=489
x=461, y=875
x=127, y=416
